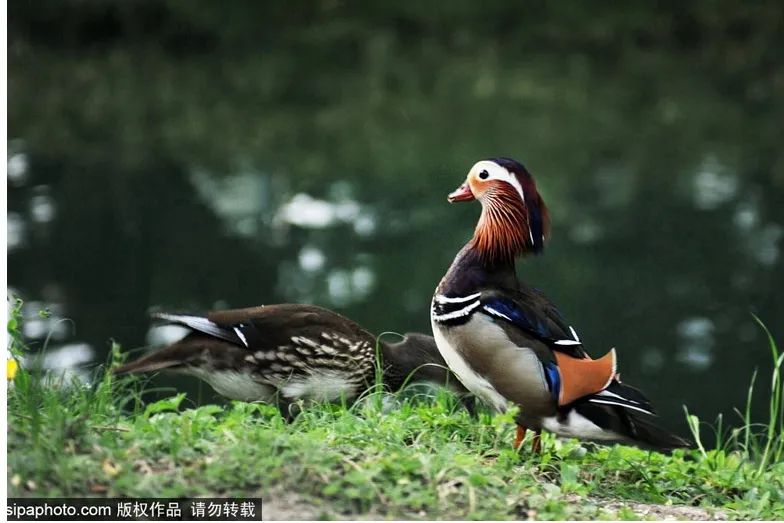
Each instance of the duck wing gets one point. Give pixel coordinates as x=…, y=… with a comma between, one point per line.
x=273, y=326
x=530, y=320
x=524, y=314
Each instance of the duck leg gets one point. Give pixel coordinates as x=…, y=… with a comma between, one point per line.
x=288, y=409
x=519, y=436
x=536, y=446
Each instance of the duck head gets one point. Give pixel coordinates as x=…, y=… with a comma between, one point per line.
x=514, y=218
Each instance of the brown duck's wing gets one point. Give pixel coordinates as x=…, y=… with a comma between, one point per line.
x=270, y=326
x=195, y=350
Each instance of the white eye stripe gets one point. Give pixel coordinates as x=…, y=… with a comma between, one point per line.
x=500, y=173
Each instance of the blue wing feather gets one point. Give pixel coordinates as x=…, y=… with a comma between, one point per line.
x=547, y=326
x=508, y=310
x=553, y=379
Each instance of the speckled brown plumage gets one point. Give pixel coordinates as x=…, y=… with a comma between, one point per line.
x=287, y=352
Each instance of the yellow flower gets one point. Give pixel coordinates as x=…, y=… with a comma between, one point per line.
x=11, y=367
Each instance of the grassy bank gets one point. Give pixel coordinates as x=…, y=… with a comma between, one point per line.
x=413, y=457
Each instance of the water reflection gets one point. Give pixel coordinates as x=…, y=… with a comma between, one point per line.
x=311, y=259
x=302, y=210
x=714, y=185
x=17, y=167
x=312, y=164
x=239, y=199
x=696, y=345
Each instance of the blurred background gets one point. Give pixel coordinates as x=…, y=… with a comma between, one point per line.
x=192, y=155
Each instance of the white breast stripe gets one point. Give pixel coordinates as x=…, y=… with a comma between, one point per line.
x=567, y=342
x=440, y=298
x=241, y=336
x=458, y=313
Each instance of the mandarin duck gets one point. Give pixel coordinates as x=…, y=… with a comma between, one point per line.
x=289, y=352
x=508, y=343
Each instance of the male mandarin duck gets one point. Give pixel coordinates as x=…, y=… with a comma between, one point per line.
x=508, y=343
x=289, y=352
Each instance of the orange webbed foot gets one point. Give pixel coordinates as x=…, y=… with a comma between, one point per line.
x=519, y=437
x=536, y=446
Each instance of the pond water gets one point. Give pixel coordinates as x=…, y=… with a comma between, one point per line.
x=189, y=157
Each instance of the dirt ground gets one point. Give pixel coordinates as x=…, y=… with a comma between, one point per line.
x=283, y=506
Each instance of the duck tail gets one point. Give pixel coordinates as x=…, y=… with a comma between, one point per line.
x=173, y=357
x=149, y=363
x=649, y=435
x=625, y=411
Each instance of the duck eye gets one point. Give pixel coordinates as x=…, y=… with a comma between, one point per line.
x=484, y=174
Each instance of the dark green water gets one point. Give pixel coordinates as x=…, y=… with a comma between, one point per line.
x=196, y=155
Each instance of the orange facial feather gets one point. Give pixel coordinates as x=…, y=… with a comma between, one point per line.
x=503, y=230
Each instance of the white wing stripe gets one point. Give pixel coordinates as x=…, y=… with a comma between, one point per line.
x=198, y=323
x=619, y=404
x=567, y=342
x=496, y=313
x=241, y=336
x=614, y=395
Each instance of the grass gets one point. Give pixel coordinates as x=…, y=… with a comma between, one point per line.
x=402, y=457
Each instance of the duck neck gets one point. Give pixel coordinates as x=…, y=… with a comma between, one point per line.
x=488, y=259
x=472, y=270
x=503, y=231
x=414, y=359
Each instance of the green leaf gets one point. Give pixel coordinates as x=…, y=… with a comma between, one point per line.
x=167, y=404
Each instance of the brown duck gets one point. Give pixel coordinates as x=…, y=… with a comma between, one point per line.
x=285, y=353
